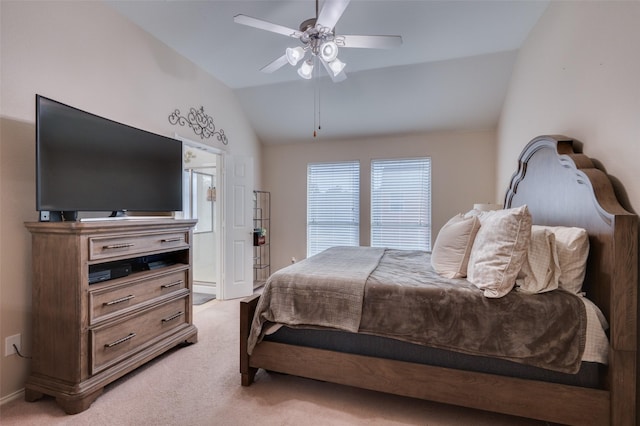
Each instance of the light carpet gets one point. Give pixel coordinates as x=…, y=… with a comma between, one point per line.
x=200, y=385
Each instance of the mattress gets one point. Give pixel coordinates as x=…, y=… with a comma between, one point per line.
x=589, y=375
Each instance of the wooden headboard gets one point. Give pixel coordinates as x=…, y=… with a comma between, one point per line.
x=562, y=187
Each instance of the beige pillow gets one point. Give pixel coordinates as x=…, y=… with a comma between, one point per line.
x=450, y=254
x=499, y=250
x=573, y=250
x=540, y=270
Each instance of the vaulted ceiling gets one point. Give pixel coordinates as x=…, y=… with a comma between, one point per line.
x=451, y=72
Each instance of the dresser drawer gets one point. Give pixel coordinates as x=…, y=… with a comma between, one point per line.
x=114, y=300
x=114, y=342
x=124, y=245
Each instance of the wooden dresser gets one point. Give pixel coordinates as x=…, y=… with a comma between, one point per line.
x=107, y=297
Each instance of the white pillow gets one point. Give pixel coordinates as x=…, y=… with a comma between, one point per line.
x=541, y=270
x=572, y=245
x=499, y=250
x=450, y=253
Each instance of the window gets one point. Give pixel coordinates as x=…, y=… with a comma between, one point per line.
x=401, y=203
x=333, y=199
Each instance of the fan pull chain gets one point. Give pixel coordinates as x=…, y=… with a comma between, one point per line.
x=316, y=101
x=319, y=107
x=315, y=106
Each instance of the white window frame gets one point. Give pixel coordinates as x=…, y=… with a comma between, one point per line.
x=401, y=203
x=333, y=205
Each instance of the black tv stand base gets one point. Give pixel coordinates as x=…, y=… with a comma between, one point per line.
x=58, y=216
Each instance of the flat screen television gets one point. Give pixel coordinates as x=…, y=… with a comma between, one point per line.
x=89, y=163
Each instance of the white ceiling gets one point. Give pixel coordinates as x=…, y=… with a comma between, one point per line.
x=451, y=72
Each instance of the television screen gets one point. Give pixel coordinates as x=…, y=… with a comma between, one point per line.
x=88, y=163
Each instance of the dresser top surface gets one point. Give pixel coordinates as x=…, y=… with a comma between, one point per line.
x=109, y=225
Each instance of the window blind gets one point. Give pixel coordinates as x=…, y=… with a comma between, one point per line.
x=333, y=212
x=401, y=203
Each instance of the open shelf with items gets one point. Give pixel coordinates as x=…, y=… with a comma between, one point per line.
x=261, y=237
x=108, y=296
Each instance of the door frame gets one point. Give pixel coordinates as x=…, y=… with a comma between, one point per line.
x=188, y=214
x=231, y=236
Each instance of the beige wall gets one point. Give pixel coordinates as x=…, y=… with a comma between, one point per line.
x=86, y=55
x=463, y=169
x=578, y=75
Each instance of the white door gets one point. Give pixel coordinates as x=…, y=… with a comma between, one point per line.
x=238, y=224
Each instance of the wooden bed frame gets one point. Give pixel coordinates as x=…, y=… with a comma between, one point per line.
x=563, y=187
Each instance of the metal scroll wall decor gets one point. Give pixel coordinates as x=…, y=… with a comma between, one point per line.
x=201, y=123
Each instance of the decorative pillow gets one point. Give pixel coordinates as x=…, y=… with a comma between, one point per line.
x=541, y=270
x=450, y=254
x=499, y=250
x=573, y=249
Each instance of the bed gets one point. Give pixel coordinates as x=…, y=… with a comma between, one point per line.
x=560, y=187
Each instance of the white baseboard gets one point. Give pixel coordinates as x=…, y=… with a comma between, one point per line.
x=19, y=394
x=207, y=289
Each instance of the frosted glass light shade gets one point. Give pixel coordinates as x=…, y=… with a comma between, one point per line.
x=305, y=70
x=336, y=66
x=329, y=51
x=294, y=54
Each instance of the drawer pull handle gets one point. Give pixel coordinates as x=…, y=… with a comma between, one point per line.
x=171, y=284
x=171, y=240
x=118, y=246
x=172, y=317
x=117, y=342
x=116, y=301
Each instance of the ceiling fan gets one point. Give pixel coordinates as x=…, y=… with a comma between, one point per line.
x=319, y=39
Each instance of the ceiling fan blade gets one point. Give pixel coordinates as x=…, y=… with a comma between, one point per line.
x=266, y=25
x=331, y=12
x=275, y=65
x=369, y=41
x=336, y=78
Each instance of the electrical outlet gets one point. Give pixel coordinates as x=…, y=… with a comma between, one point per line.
x=9, y=342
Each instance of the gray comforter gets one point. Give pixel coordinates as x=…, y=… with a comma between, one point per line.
x=396, y=293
